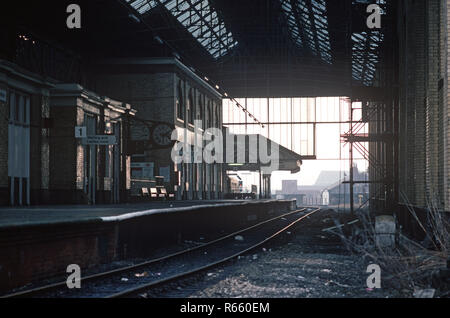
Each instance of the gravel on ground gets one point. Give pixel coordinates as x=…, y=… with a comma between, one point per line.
x=305, y=262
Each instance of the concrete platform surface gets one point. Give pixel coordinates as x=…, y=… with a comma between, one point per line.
x=17, y=216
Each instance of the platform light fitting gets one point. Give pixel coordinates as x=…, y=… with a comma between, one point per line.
x=158, y=39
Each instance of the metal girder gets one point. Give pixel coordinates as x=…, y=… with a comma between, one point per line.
x=199, y=18
x=308, y=24
x=366, y=52
x=364, y=137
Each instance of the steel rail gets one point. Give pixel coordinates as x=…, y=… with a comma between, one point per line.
x=62, y=284
x=147, y=286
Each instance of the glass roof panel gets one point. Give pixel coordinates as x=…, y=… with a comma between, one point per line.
x=365, y=52
x=192, y=14
x=308, y=25
x=142, y=6
x=365, y=55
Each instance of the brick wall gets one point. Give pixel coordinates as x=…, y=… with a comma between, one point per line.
x=407, y=137
x=153, y=92
x=446, y=100
x=72, y=105
x=45, y=145
x=31, y=253
x=418, y=90
x=35, y=148
x=433, y=112
x=424, y=111
x=4, y=115
x=13, y=79
x=63, y=154
x=152, y=95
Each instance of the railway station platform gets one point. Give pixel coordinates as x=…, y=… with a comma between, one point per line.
x=39, y=242
x=35, y=215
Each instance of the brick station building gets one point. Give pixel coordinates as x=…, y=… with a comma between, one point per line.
x=41, y=161
x=164, y=89
x=24, y=135
x=81, y=172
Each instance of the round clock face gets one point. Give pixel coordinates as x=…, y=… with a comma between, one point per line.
x=161, y=135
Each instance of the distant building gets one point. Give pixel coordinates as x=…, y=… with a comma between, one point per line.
x=289, y=187
x=289, y=190
x=325, y=197
x=329, y=188
x=339, y=192
x=326, y=178
x=313, y=193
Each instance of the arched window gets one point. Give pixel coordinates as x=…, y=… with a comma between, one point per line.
x=180, y=101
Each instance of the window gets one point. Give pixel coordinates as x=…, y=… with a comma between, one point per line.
x=200, y=112
x=191, y=108
x=19, y=148
x=209, y=115
x=289, y=121
x=206, y=119
x=216, y=111
x=180, y=101
x=109, y=129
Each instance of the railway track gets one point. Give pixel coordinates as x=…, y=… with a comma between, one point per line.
x=131, y=280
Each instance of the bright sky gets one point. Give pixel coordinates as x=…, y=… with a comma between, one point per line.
x=329, y=148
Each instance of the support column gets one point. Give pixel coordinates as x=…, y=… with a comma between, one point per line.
x=260, y=185
x=351, y=160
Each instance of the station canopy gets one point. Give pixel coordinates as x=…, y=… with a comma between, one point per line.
x=288, y=160
x=273, y=48
x=249, y=48
x=199, y=18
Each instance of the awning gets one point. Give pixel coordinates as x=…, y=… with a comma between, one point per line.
x=288, y=159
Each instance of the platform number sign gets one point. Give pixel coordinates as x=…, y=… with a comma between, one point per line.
x=80, y=132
